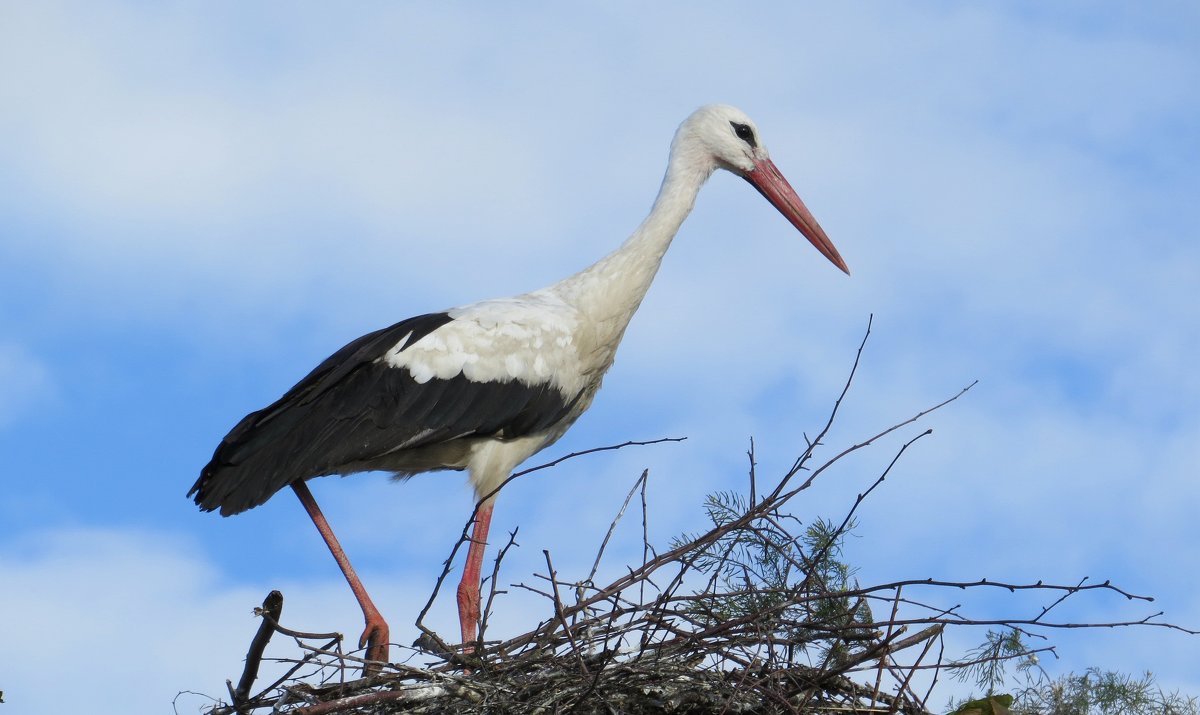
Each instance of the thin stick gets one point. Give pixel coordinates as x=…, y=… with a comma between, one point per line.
x=272, y=605
x=640, y=482
x=558, y=611
x=883, y=659
x=492, y=592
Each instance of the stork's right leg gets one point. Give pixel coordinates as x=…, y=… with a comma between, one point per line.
x=468, y=588
x=375, y=636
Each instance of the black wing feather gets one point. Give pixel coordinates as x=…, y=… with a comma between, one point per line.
x=352, y=409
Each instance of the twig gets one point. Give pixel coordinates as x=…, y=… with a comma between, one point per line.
x=904, y=685
x=558, y=611
x=884, y=659
x=487, y=610
x=837, y=404
x=639, y=483
x=272, y=606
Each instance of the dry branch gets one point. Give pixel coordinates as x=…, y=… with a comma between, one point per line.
x=272, y=607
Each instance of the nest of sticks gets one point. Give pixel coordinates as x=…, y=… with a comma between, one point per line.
x=757, y=614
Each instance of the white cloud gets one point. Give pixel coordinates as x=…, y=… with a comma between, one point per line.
x=98, y=608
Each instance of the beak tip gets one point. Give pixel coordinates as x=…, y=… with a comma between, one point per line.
x=834, y=257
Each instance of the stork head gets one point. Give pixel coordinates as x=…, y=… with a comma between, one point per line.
x=718, y=136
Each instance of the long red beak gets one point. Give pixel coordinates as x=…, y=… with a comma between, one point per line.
x=771, y=184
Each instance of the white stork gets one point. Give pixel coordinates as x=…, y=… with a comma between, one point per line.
x=484, y=386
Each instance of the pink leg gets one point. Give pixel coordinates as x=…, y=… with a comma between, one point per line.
x=375, y=636
x=468, y=588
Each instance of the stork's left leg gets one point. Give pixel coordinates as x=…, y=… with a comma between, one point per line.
x=375, y=635
x=468, y=588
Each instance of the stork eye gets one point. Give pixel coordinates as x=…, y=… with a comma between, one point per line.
x=745, y=133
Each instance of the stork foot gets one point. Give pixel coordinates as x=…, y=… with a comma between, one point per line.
x=375, y=639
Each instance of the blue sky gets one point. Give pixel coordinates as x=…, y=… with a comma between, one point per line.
x=200, y=202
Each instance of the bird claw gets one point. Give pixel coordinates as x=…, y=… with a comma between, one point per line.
x=375, y=639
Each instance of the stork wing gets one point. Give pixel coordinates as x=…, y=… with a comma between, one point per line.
x=359, y=405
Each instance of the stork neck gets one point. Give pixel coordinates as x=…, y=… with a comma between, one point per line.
x=612, y=289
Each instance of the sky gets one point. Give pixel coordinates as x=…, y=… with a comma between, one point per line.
x=199, y=202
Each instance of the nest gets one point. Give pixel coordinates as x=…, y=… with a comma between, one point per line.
x=757, y=614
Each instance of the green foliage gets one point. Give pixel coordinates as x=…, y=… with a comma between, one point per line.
x=987, y=664
x=794, y=585
x=1093, y=692
x=1103, y=692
